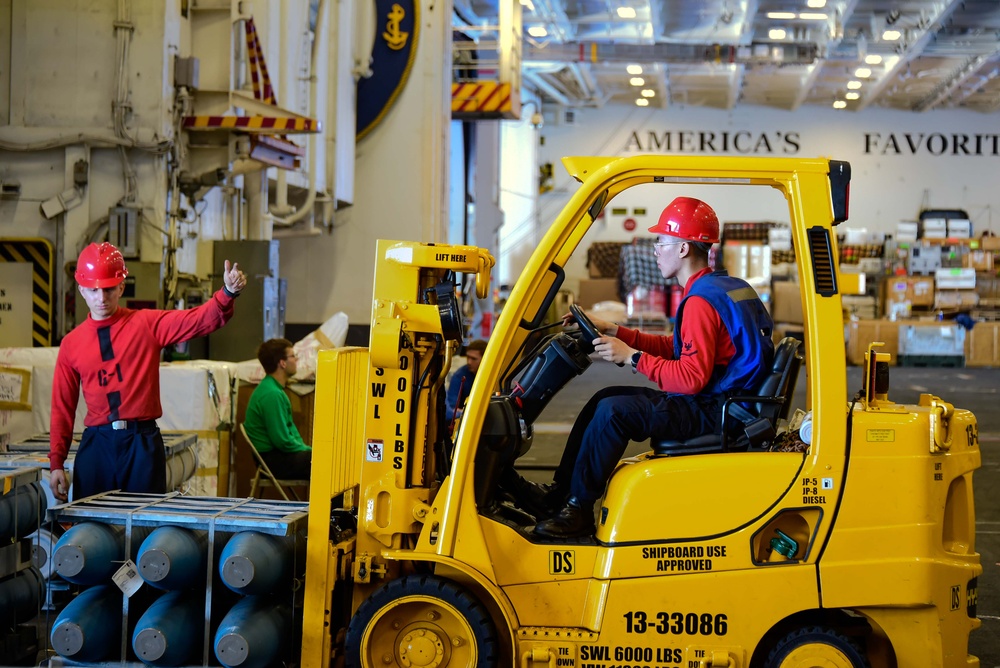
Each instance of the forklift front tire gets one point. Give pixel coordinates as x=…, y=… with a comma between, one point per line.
x=421, y=620
x=816, y=646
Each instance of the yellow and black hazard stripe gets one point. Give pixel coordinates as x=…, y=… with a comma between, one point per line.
x=482, y=99
x=40, y=254
x=264, y=124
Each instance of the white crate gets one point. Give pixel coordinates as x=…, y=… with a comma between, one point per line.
x=906, y=230
x=934, y=228
x=953, y=278
x=934, y=340
x=960, y=228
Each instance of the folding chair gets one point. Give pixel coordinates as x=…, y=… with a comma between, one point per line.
x=264, y=478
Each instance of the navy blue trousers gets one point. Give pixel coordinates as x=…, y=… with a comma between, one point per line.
x=616, y=415
x=132, y=460
x=289, y=465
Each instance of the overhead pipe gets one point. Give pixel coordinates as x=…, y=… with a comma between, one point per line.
x=957, y=78
x=552, y=14
x=910, y=52
x=545, y=87
x=597, y=52
x=307, y=206
x=585, y=86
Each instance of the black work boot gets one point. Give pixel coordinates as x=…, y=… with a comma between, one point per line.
x=540, y=500
x=574, y=520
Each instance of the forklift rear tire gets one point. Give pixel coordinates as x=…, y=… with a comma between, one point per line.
x=817, y=646
x=421, y=620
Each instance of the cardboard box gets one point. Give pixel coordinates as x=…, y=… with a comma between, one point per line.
x=786, y=302
x=860, y=307
x=917, y=290
x=603, y=259
x=982, y=345
x=956, y=300
x=860, y=333
x=988, y=289
x=594, y=290
x=783, y=329
x=990, y=243
x=978, y=260
x=747, y=260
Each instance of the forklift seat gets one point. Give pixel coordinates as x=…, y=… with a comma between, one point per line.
x=757, y=426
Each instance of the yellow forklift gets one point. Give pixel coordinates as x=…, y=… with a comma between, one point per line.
x=858, y=552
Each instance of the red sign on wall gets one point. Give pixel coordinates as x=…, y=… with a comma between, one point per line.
x=629, y=224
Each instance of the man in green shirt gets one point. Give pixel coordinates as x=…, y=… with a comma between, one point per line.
x=268, y=420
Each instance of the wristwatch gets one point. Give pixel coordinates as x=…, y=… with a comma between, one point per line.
x=635, y=360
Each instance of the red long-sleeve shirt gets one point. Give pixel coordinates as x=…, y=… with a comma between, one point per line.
x=706, y=344
x=116, y=361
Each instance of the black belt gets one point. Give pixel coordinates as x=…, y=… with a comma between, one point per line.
x=119, y=425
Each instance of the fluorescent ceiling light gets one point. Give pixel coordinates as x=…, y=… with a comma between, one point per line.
x=852, y=95
x=776, y=33
x=891, y=35
x=781, y=15
x=812, y=4
x=634, y=69
x=862, y=73
x=637, y=81
x=626, y=12
x=642, y=102
x=648, y=92
x=839, y=104
x=531, y=6
x=873, y=59
x=854, y=85
x=813, y=16
x=538, y=31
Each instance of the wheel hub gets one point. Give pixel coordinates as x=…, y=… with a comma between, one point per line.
x=816, y=655
x=421, y=648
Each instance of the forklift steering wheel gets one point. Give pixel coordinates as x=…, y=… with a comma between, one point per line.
x=588, y=330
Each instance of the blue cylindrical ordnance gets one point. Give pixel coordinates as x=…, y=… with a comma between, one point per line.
x=254, y=633
x=256, y=563
x=90, y=552
x=20, y=597
x=173, y=558
x=171, y=630
x=22, y=511
x=89, y=628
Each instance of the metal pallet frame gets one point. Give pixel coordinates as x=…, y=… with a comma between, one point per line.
x=212, y=514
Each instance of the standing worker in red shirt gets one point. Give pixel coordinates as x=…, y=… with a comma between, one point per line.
x=114, y=356
x=721, y=346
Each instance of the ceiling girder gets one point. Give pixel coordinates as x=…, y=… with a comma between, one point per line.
x=595, y=52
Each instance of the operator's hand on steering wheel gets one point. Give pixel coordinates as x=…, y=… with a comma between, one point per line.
x=605, y=326
x=614, y=350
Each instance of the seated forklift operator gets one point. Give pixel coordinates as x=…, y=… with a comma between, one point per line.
x=721, y=346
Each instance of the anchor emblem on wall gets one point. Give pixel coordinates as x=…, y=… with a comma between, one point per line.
x=394, y=38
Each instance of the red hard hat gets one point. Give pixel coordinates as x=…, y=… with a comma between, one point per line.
x=100, y=266
x=688, y=218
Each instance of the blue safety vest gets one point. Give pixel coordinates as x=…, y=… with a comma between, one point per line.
x=748, y=324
